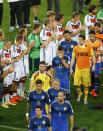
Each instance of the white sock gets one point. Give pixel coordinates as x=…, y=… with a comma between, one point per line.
x=18, y=91
x=14, y=94
x=21, y=86
x=8, y=97
x=3, y=99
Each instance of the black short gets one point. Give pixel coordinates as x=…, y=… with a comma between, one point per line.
x=35, y=2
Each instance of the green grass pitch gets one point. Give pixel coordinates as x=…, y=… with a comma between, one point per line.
x=84, y=116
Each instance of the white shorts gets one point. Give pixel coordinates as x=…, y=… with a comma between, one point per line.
x=47, y=54
x=26, y=65
x=8, y=79
x=19, y=72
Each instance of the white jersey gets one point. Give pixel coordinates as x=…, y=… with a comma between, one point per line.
x=25, y=58
x=47, y=53
x=59, y=32
x=73, y=27
x=18, y=66
x=60, y=29
x=89, y=21
x=6, y=55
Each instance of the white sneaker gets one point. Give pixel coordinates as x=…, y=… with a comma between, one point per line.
x=28, y=25
x=35, y=21
x=5, y=106
x=79, y=97
x=11, y=29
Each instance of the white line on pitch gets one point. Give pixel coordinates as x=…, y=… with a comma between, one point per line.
x=13, y=128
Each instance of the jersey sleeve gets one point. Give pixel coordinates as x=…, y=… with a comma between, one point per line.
x=69, y=26
x=31, y=125
x=73, y=54
x=42, y=36
x=29, y=98
x=70, y=109
x=48, y=99
x=48, y=122
x=87, y=21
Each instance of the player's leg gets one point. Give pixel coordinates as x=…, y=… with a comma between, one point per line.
x=12, y=16
x=86, y=83
x=57, y=7
x=77, y=83
x=35, y=9
x=93, y=93
x=1, y=13
x=49, y=5
x=21, y=88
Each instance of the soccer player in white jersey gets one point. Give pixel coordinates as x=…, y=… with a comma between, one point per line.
x=48, y=47
x=74, y=26
x=25, y=60
x=17, y=55
x=90, y=20
x=60, y=29
x=7, y=82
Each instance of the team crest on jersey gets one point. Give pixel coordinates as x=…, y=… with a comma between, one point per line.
x=48, y=34
x=72, y=46
x=65, y=108
x=61, y=29
x=43, y=97
x=43, y=122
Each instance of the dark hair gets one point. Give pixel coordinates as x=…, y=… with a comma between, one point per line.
x=60, y=48
x=19, y=37
x=75, y=14
x=59, y=17
x=66, y=32
x=42, y=62
x=97, y=24
x=92, y=32
x=91, y=8
x=82, y=36
x=39, y=81
x=36, y=26
x=38, y=107
x=62, y=92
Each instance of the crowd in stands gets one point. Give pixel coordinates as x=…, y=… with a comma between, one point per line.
x=49, y=55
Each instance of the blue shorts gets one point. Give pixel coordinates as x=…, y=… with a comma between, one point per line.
x=65, y=84
x=59, y=128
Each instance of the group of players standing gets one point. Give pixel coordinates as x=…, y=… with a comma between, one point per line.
x=61, y=51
